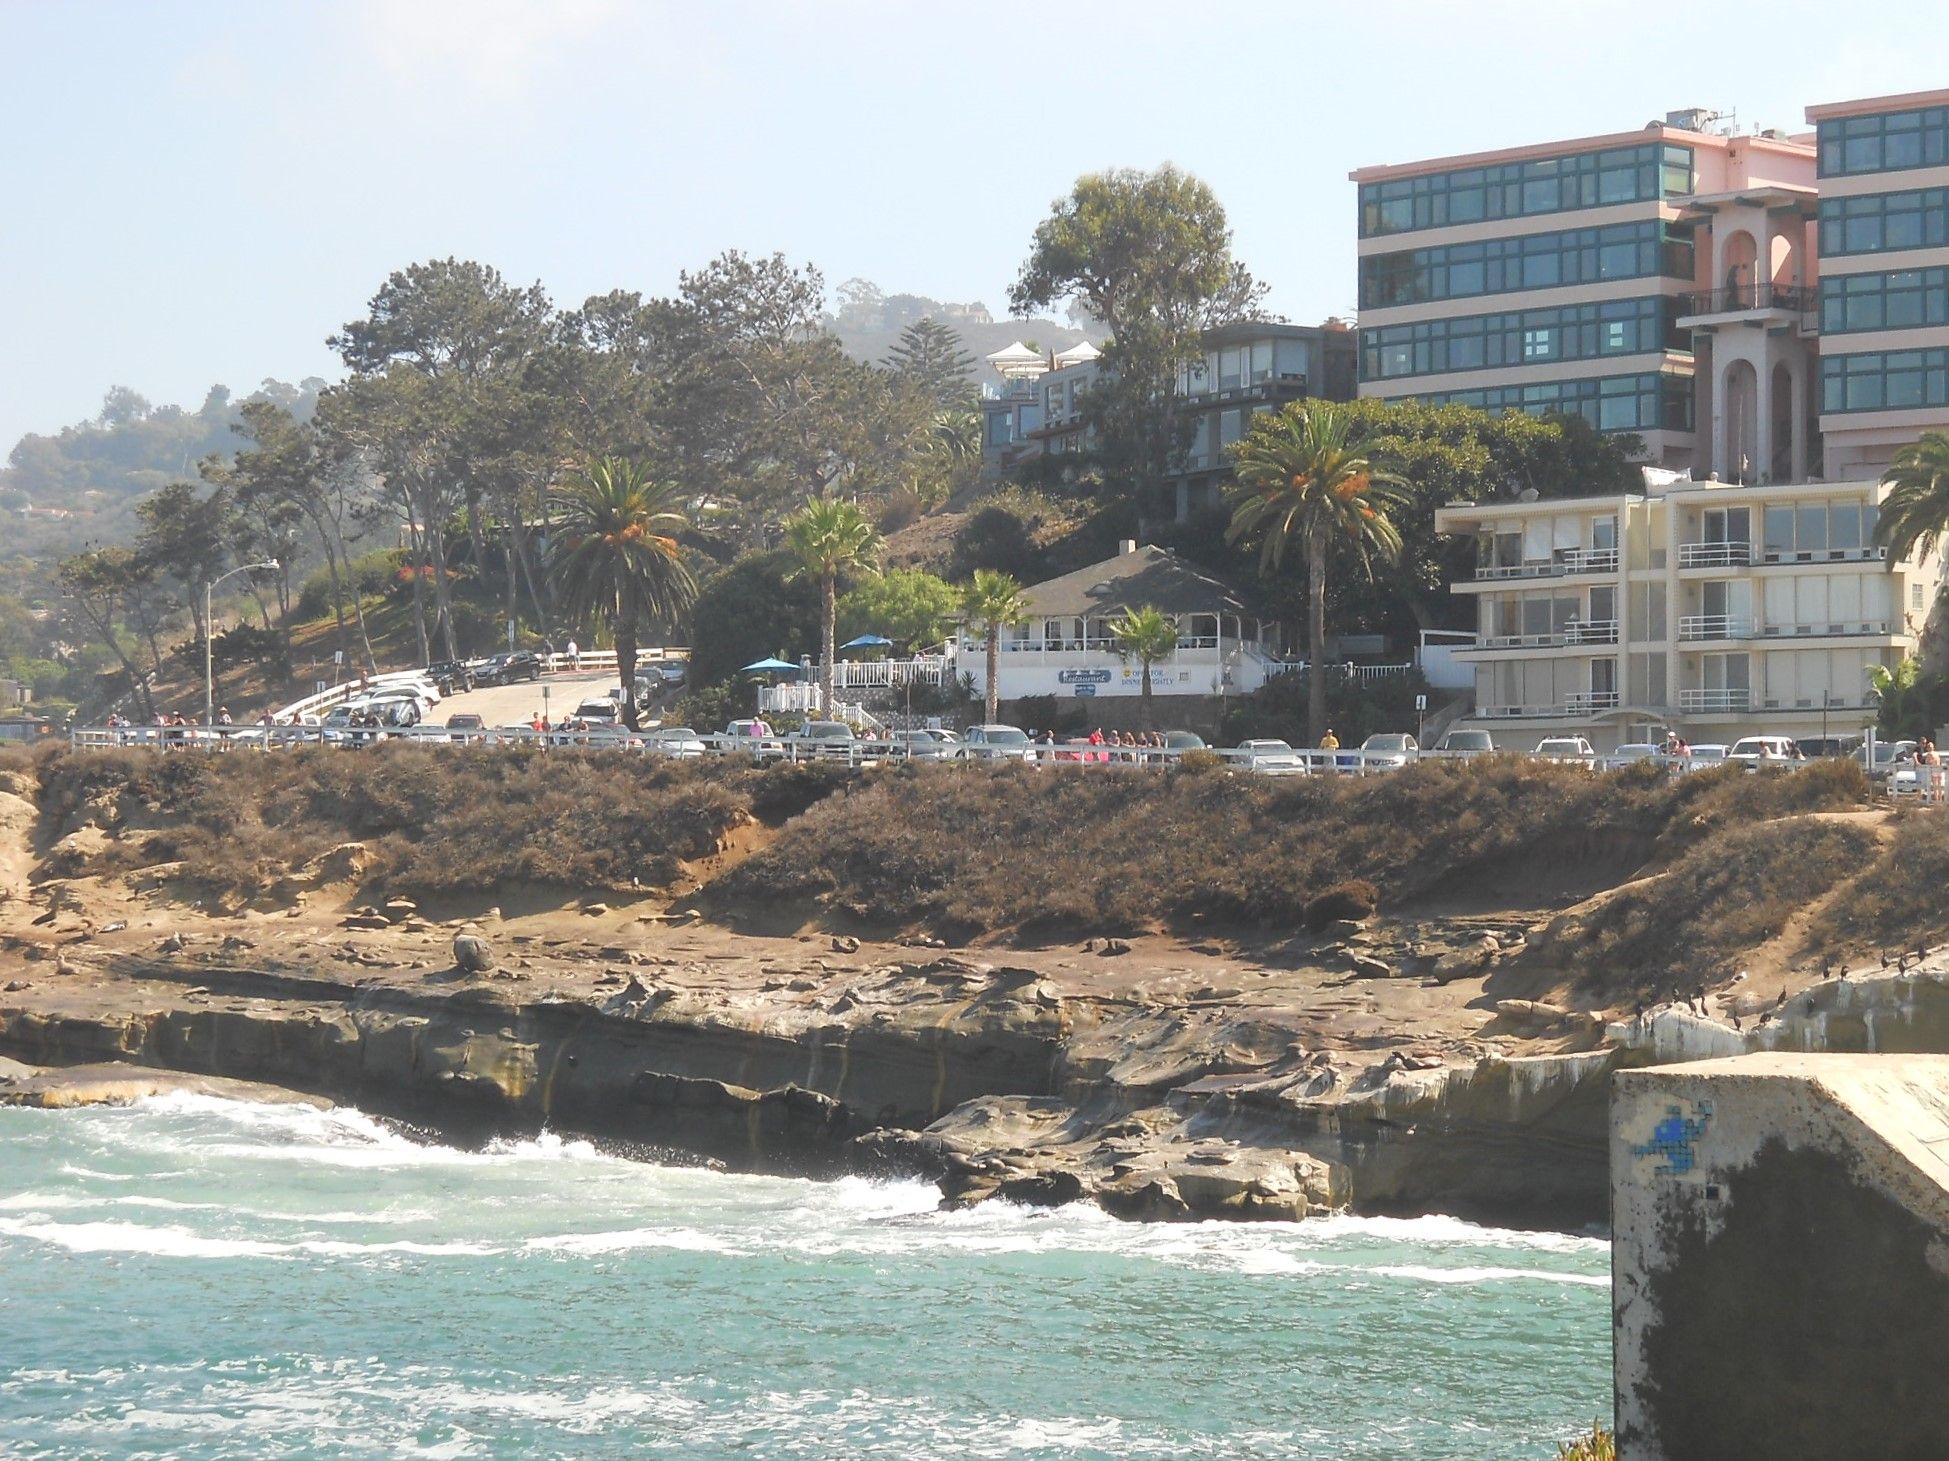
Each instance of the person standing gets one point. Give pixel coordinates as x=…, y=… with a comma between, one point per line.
x=574, y=656
x=1329, y=741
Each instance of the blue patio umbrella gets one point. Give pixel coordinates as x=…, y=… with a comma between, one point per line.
x=769, y=667
x=868, y=641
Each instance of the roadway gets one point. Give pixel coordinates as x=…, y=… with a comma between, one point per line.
x=517, y=704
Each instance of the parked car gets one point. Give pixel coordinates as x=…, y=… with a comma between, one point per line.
x=923, y=744
x=465, y=721
x=996, y=743
x=749, y=730
x=453, y=676
x=675, y=740
x=1756, y=751
x=1565, y=748
x=602, y=711
x=821, y=738
x=1813, y=748
x=1181, y=741
x=509, y=669
x=1635, y=751
x=1388, y=750
x=1270, y=758
x=1467, y=743
x=672, y=671
x=1707, y=754
x=1889, y=756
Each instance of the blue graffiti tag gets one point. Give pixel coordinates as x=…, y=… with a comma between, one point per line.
x=1675, y=1139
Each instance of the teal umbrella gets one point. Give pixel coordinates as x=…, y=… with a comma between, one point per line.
x=769, y=666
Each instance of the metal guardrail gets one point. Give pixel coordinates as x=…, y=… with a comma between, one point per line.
x=1753, y=295
x=859, y=754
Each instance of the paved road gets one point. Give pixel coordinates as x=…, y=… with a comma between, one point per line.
x=517, y=704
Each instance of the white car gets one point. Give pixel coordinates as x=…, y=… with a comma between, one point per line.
x=1756, y=751
x=1388, y=751
x=996, y=743
x=675, y=740
x=1269, y=758
x=1565, y=748
x=598, y=712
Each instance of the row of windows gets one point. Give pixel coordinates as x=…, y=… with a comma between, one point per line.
x=1518, y=189
x=1876, y=221
x=1532, y=337
x=1891, y=380
x=1657, y=402
x=1898, y=300
x=1539, y=261
x=1888, y=142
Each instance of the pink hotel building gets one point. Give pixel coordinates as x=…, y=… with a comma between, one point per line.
x=1770, y=315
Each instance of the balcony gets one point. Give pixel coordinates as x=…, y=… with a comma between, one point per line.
x=1833, y=629
x=1751, y=298
x=1872, y=553
x=1557, y=565
x=1714, y=555
x=1595, y=631
x=1710, y=702
x=1694, y=627
x=1580, y=702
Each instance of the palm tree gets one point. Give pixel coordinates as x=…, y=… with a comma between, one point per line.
x=830, y=537
x=992, y=601
x=1900, y=694
x=1300, y=478
x=1146, y=635
x=1916, y=512
x=615, y=558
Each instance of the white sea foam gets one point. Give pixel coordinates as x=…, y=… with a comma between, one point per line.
x=686, y=1239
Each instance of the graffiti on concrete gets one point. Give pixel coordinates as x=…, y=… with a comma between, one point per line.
x=1674, y=1140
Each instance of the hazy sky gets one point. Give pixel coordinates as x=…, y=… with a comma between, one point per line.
x=199, y=191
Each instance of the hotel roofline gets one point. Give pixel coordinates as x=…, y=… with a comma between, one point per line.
x=1868, y=105
x=1799, y=146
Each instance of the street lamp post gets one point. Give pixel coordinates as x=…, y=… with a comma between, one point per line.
x=209, y=673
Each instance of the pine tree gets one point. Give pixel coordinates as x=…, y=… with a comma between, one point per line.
x=930, y=358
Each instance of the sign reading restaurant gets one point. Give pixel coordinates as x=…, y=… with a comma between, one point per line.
x=1082, y=677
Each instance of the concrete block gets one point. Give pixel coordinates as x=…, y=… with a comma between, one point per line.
x=1780, y=1257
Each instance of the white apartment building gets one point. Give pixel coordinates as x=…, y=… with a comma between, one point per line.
x=1712, y=609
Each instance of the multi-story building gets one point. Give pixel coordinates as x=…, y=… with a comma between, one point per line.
x=1884, y=292
x=1711, y=608
x=1570, y=277
x=1244, y=369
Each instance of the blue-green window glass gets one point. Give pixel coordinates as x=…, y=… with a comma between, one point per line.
x=1889, y=380
x=1900, y=299
x=1523, y=189
x=1878, y=222
x=1885, y=142
x=1642, y=250
x=1652, y=402
x=1528, y=337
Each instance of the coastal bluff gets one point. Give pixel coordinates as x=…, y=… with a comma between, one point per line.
x=1781, y=1256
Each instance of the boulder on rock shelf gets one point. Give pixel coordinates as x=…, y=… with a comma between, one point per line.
x=471, y=952
x=1366, y=966
x=1534, y=1013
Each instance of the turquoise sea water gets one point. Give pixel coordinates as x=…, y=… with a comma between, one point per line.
x=208, y=1279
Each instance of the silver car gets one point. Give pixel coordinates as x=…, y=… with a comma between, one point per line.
x=1269, y=758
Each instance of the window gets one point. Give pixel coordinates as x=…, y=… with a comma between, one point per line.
x=1230, y=364
x=1643, y=250
x=1900, y=299
x=1878, y=222
x=1915, y=598
x=1884, y=380
x=1887, y=142
x=1603, y=178
x=1661, y=402
x=1478, y=342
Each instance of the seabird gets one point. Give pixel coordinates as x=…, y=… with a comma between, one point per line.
x=1781, y=1000
x=1884, y=958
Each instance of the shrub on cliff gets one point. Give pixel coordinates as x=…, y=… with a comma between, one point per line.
x=1354, y=899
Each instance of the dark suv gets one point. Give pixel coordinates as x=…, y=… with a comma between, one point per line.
x=509, y=668
x=453, y=676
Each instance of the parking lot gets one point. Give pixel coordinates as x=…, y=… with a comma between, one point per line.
x=557, y=694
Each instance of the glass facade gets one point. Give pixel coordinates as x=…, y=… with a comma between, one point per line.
x=1884, y=380
x=1521, y=189
x=1902, y=299
x=1886, y=142
x=1531, y=337
x=1648, y=249
x=1876, y=222
x=1660, y=401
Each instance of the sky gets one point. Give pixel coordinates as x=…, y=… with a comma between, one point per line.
x=199, y=191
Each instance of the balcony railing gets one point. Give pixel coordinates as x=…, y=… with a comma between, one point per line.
x=1563, y=561
x=1714, y=555
x=1833, y=628
x=1740, y=298
x=1706, y=702
x=1872, y=553
x=1714, y=626
x=1595, y=631
x=1587, y=700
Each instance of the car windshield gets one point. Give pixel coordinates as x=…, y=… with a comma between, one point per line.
x=1385, y=743
x=1468, y=741
x=1275, y=747
x=1005, y=735
x=677, y=733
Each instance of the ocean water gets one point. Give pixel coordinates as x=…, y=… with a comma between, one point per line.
x=199, y=1278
